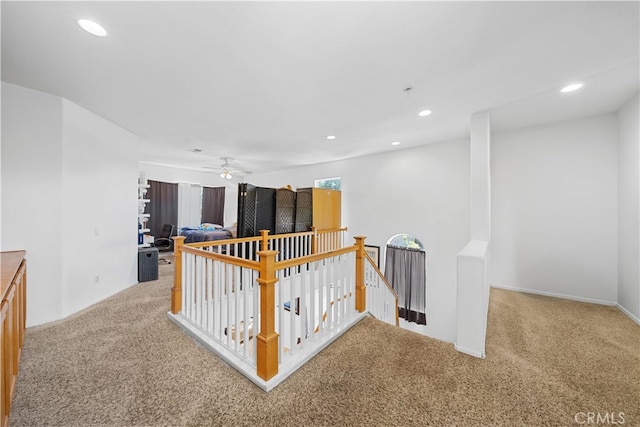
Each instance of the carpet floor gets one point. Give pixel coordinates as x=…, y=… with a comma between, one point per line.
x=122, y=362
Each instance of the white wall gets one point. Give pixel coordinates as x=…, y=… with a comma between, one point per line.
x=555, y=209
x=629, y=209
x=67, y=174
x=177, y=175
x=31, y=194
x=99, y=202
x=423, y=192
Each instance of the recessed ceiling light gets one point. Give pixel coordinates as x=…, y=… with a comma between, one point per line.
x=92, y=27
x=571, y=87
x=395, y=143
x=424, y=113
x=331, y=137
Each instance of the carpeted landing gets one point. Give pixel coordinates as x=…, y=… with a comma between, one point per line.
x=122, y=362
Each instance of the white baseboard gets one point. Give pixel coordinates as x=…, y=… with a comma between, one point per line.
x=555, y=295
x=628, y=313
x=569, y=297
x=469, y=352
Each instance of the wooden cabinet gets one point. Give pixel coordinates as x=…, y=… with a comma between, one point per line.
x=326, y=208
x=13, y=316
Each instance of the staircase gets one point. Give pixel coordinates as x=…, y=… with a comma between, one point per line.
x=268, y=312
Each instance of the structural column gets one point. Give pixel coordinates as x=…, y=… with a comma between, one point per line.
x=473, y=261
x=480, y=154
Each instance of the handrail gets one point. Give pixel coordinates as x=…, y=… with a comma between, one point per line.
x=225, y=242
x=384, y=280
x=269, y=237
x=246, y=239
x=294, y=262
x=13, y=295
x=241, y=262
x=331, y=230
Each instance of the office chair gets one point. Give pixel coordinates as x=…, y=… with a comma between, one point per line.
x=164, y=242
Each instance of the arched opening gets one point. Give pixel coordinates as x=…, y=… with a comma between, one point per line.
x=404, y=240
x=405, y=270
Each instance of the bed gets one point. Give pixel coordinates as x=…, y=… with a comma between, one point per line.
x=206, y=233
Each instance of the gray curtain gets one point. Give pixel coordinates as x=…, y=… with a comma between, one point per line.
x=405, y=271
x=163, y=206
x=213, y=205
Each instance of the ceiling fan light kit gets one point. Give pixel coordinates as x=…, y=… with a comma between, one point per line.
x=227, y=170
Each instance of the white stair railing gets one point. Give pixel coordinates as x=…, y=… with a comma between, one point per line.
x=313, y=299
x=221, y=301
x=240, y=248
x=267, y=317
x=290, y=246
x=382, y=300
x=329, y=239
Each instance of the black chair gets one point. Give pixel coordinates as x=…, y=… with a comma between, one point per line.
x=164, y=242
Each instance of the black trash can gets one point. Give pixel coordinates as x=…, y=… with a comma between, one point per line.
x=147, y=264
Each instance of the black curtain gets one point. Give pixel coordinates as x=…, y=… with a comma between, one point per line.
x=213, y=205
x=405, y=271
x=163, y=206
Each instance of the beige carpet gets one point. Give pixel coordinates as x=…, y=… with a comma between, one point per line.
x=123, y=363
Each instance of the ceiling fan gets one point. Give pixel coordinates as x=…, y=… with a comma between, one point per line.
x=227, y=170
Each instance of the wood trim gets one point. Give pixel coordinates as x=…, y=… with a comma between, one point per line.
x=247, y=239
x=176, y=290
x=5, y=402
x=267, y=339
x=361, y=289
x=12, y=331
x=331, y=230
x=229, y=259
x=223, y=242
x=311, y=258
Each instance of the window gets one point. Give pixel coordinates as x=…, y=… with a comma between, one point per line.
x=329, y=183
x=405, y=241
x=405, y=270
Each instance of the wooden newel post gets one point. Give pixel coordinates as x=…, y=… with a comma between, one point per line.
x=361, y=290
x=264, y=244
x=314, y=240
x=267, y=339
x=176, y=291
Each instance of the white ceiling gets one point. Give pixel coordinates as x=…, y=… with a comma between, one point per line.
x=266, y=82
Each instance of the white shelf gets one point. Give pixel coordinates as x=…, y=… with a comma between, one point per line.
x=143, y=217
